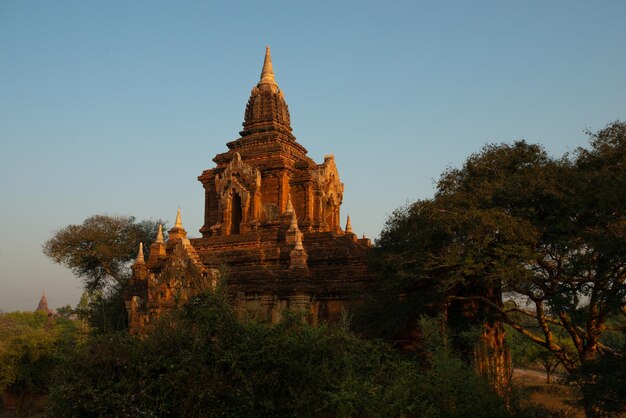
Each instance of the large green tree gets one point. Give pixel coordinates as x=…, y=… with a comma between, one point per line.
x=550, y=232
x=100, y=252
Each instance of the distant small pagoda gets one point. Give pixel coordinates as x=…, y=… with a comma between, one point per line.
x=43, y=305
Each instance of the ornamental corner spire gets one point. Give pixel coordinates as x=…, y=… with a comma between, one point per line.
x=159, y=237
x=178, y=223
x=348, y=229
x=177, y=231
x=140, y=259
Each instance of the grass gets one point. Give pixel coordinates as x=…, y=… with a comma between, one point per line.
x=557, y=397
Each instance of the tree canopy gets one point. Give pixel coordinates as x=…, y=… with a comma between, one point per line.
x=551, y=232
x=100, y=250
x=31, y=345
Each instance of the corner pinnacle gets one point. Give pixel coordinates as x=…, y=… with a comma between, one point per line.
x=179, y=222
x=140, y=259
x=159, y=237
x=293, y=224
x=299, y=246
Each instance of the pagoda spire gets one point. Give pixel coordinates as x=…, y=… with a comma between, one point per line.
x=267, y=74
x=267, y=110
x=293, y=233
x=157, y=249
x=159, y=237
x=43, y=304
x=177, y=231
x=179, y=222
x=293, y=225
x=348, y=226
x=299, y=243
x=139, y=259
x=298, y=256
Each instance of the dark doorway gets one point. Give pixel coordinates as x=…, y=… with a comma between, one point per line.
x=235, y=218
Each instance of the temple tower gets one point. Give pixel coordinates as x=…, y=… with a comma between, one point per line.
x=271, y=229
x=252, y=183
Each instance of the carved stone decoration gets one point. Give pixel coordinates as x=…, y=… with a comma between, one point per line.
x=298, y=258
x=247, y=175
x=329, y=191
x=267, y=302
x=300, y=302
x=237, y=187
x=270, y=210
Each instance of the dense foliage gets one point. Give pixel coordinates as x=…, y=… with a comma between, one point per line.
x=100, y=249
x=550, y=232
x=203, y=361
x=31, y=347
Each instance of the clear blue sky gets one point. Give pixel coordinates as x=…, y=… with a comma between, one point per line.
x=117, y=106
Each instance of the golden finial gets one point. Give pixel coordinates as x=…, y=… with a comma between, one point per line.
x=348, y=226
x=267, y=74
x=179, y=222
x=140, y=259
x=159, y=238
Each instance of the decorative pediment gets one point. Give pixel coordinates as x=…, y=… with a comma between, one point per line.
x=238, y=175
x=326, y=178
x=184, y=252
x=184, y=273
x=183, y=260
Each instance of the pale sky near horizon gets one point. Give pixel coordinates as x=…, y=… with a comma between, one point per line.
x=116, y=107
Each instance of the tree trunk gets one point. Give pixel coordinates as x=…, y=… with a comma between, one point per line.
x=22, y=403
x=591, y=411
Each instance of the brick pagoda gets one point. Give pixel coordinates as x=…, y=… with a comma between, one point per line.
x=271, y=228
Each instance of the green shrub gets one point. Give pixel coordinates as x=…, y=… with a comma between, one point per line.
x=203, y=362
